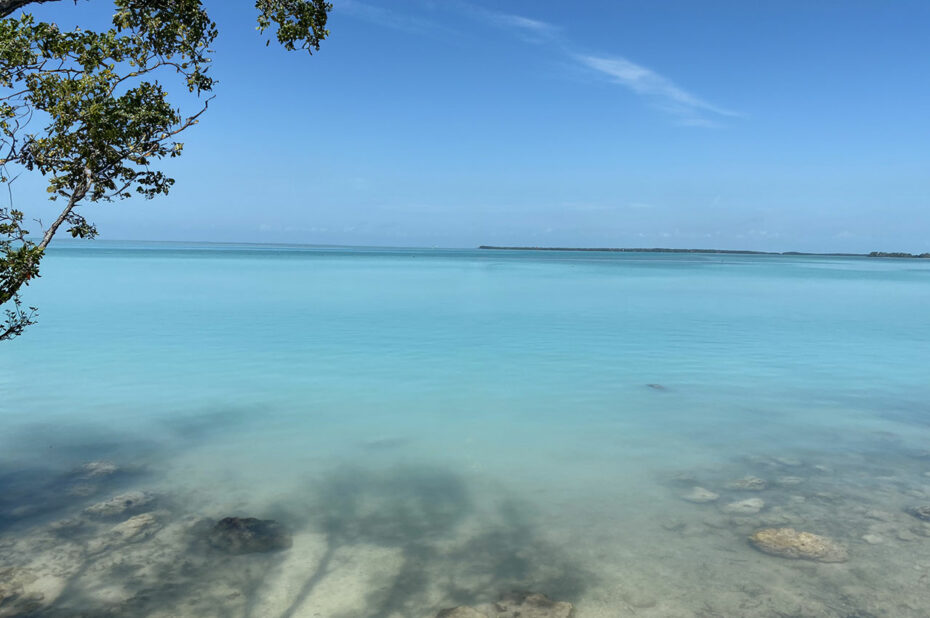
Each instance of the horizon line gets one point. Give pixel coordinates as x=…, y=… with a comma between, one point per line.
x=876, y=253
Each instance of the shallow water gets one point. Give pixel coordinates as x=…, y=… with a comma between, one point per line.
x=437, y=428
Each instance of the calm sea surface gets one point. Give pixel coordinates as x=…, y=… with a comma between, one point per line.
x=435, y=428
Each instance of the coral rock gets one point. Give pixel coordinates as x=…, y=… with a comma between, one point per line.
x=750, y=506
x=749, y=483
x=789, y=543
x=98, y=469
x=249, y=535
x=532, y=605
x=514, y=605
x=700, y=495
x=123, y=503
x=461, y=612
x=135, y=528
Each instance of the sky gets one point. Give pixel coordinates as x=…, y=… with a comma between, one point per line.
x=777, y=126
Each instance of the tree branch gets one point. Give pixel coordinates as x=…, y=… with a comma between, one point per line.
x=17, y=319
x=76, y=197
x=8, y=6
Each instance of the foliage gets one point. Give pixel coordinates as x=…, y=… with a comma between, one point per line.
x=105, y=116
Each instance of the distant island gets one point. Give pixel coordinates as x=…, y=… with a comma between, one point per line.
x=897, y=254
x=874, y=254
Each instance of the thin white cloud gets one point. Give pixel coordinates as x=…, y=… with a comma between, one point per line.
x=665, y=94
x=386, y=17
x=533, y=30
x=687, y=108
x=518, y=21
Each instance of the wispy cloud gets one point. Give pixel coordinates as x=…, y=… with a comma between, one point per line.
x=527, y=28
x=387, y=17
x=664, y=93
x=518, y=21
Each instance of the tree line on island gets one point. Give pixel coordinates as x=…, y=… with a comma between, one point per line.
x=873, y=254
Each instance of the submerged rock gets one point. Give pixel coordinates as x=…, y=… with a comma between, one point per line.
x=248, y=535
x=67, y=526
x=133, y=530
x=10, y=587
x=790, y=543
x=748, y=483
x=880, y=515
x=699, y=495
x=514, y=605
x=673, y=525
x=760, y=460
x=920, y=512
x=461, y=612
x=98, y=469
x=15, y=600
x=684, y=478
x=905, y=535
x=123, y=503
x=532, y=605
x=82, y=490
x=750, y=506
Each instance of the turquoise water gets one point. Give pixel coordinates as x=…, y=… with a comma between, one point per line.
x=439, y=427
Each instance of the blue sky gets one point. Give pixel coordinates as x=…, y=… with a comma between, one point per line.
x=790, y=125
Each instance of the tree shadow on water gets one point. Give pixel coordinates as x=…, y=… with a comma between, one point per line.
x=451, y=551
x=403, y=508
x=405, y=541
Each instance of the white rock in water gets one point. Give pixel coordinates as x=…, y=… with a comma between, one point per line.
x=748, y=483
x=461, y=612
x=523, y=604
x=123, y=503
x=906, y=536
x=135, y=527
x=98, y=468
x=700, y=495
x=750, y=506
x=790, y=543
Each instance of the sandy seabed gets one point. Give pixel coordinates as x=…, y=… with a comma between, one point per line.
x=408, y=541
